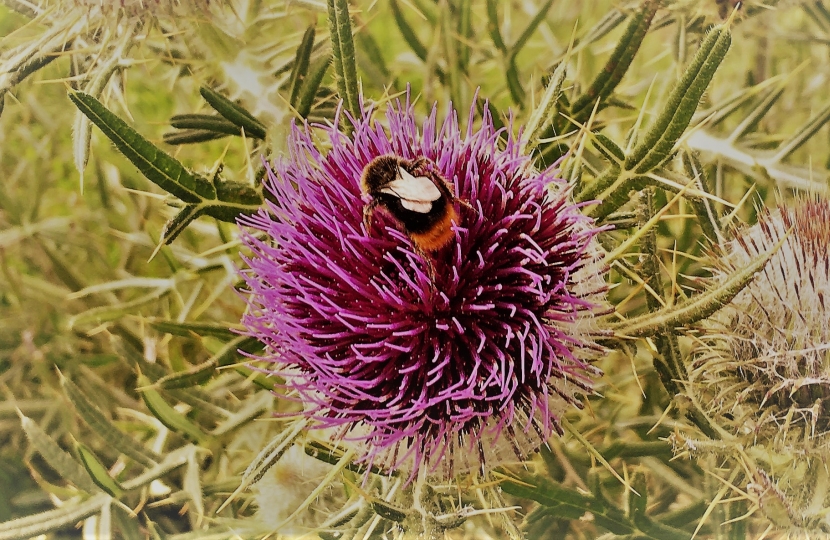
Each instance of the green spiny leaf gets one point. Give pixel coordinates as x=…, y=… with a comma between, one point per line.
x=698, y=307
x=388, y=511
x=191, y=136
x=600, y=184
x=300, y=69
x=465, y=30
x=166, y=414
x=192, y=377
x=99, y=423
x=116, y=311
x=407, y=32
x=190, y=329
x=178, y=223
x=194, y=396
x=683, y=101
x=331, y=455
x=637, y=503
x=203, y=372
x=207, y=122
x=554, y=495
x=311, y=85
x=232, y=200
x=158, y=167
x=534, y=23
x=617, y=66
x=803, y=134
x=544, y=113
x=563, y=499
x=707, y=216
x=609, y=149
x=57, y=458
x=69, y=514
x=751, y=120
x=665, y=363
x=236, y=114
x=340, y=28
x=494, y=26
x=97, y=471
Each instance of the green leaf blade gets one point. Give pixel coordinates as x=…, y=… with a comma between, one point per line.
x=157, y=166
x=234, y=113
x=301, y=62
x=342, y=41
x=97, y=471
x=167, y=415
x=99, y=423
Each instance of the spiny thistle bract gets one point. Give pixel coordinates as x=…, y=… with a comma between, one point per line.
x=426, y=360
x=762, y=366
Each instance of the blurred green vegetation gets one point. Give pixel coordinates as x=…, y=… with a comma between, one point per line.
x=82, y=295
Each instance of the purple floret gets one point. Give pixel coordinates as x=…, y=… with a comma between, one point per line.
x=422, y=357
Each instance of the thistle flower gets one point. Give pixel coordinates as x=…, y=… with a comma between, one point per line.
x=762, y=365
x=426, y=358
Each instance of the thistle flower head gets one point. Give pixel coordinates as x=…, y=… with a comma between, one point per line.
x=762, y=366
x=425, y=358
x=778, y=329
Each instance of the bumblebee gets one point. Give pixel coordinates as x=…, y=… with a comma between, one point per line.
x=415, y=195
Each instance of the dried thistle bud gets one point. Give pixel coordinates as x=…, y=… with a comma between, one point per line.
x=763, y=363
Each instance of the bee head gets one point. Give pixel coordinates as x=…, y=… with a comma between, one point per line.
x=392, y=177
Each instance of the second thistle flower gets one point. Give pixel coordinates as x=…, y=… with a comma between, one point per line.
x=761, y=367
x=426, y=354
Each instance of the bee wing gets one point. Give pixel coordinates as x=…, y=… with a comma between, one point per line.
x=417, y=206
x=415, y=189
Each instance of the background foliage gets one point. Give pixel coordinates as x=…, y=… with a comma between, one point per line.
x=123, y=395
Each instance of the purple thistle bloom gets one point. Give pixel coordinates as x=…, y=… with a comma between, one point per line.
x=437, y=358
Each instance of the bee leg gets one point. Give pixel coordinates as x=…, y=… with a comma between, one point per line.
x=466, y=205
x=368, y=211
x=462, y=202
